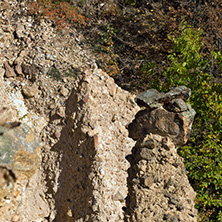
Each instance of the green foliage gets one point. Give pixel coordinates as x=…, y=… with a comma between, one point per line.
x=131, y=2
x=103, y=44
x=218, y=57
x=72, y=72
x=56, y=74
x=202, y=155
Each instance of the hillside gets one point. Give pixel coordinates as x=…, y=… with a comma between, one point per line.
x=69, y=152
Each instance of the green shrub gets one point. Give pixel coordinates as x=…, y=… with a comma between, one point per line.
x=54, y=73
x=58, y=75
x=126, y=2
x=203, y=152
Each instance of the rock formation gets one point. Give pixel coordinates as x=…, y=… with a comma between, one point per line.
x=84, y=172
x=88, y=174
x=64, y=137
x=159, y=189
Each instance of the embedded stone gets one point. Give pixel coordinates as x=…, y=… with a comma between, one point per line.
x=146, y=154
x=19, y=150
x=64, y=91
x=30, y=71
x=20, y=29
x=9, y=71
x=147, y=181
x=29, y=91
x=18, y=70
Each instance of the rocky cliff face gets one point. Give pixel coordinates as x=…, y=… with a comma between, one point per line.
x=66, y=152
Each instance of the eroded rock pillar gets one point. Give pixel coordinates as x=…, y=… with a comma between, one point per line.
x=158, y=186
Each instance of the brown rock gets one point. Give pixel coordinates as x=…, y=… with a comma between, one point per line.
x=57, y=134
x=9, y=71
x=164, y=122
x=29, y=91
x=20, y=29
x=4, y=5
x=18, y=69
x=25, y=163
x=146, y=154
x=148, y=181
x=30, y=71
x=118, y=196
x=7, y=179
x=64, y=91
x=61, y=112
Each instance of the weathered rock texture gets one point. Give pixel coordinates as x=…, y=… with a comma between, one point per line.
x=159, y=189
x=84, y=171
x=64, y=142
x=39, y=66
x=88, y=175
x=20, y=159
x=20, y=149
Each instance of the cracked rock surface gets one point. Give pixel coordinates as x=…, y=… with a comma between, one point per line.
x=158, y=187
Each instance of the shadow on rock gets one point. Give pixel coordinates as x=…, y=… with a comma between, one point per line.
x=69, y=185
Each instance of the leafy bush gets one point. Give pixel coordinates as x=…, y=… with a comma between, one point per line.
x=202, y=155
x=140, y=32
